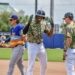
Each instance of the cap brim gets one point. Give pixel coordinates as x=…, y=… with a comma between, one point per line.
x=63, y=18
x=12, y=18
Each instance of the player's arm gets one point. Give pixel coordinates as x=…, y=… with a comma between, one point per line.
x=7, y=40
x=67, y=44
x=48, y=30
x=68, y=41
x=3, y=43
x=25, y=30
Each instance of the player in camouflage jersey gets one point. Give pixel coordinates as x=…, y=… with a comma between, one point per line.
x=69, y=47
x=35, y=42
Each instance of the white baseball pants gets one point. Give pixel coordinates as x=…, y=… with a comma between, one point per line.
x=34, y=50
x=70, y=61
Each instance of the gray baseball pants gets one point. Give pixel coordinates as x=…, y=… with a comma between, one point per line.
x=16, y=58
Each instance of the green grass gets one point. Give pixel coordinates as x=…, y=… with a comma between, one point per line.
x=52, y=54
x=55, y=54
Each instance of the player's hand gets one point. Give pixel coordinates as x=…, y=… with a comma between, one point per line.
x=2, y=42
x=64, y=55
x=50, y=33
x=24, y=38
x=4, y=45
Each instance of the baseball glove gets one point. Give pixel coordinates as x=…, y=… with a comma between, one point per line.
x=13, y=43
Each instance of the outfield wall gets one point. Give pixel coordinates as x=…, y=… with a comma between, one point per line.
x=55, y=41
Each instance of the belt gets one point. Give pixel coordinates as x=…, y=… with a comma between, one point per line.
x=36, y=42
x=72, y=48
x=39, y=42
x=18, y=44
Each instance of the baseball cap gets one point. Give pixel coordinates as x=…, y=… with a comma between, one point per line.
x=14, y=17
x=68, y=15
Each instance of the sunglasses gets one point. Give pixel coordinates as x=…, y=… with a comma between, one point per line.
x=12, y=19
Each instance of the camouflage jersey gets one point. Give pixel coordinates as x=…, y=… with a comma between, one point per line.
x=69, y=31
x=35, y=32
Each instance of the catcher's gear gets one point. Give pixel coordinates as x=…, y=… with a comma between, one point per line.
x=25, y=30
x=40, y=13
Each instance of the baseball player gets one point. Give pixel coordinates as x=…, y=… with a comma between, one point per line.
x=69, y=51
x=35, y=42
x=18, y=49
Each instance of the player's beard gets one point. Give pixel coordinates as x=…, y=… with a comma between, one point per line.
x=38, y=20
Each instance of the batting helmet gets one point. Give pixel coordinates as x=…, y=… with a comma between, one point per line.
x=69, y=15
x=40, y=13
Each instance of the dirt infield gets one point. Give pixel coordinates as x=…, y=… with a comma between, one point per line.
x=53, y=68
